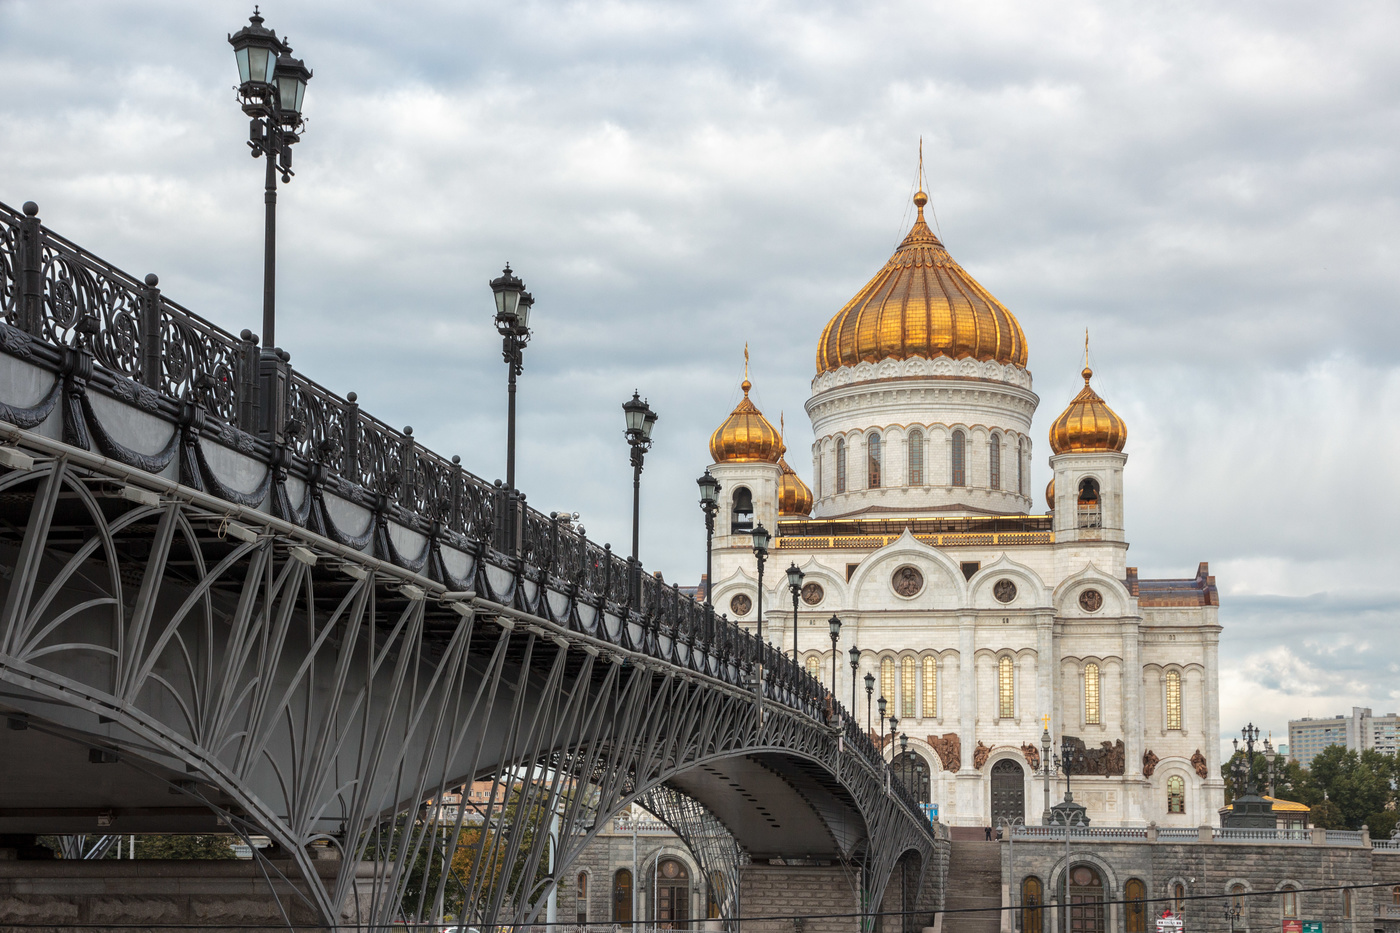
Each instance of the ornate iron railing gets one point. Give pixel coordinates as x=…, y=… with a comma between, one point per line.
x=140, y=344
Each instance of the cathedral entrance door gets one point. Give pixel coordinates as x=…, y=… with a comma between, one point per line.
x=672, y=895
x=1008, y=791
x=1085, y=900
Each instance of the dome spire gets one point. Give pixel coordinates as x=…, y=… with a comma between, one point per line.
x=746, y=436
x=1087, y=423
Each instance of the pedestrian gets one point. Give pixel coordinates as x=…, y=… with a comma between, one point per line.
x=989, y=833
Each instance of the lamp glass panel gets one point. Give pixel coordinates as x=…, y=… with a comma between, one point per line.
x=523, y=312
x=648, y=422
x=243, y=72
x=261, y=62
x=634, y=414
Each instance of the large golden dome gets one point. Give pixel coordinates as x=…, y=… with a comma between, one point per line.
x=794, y=498
x=1088, y=424
x=746, y=436
x=921, y=304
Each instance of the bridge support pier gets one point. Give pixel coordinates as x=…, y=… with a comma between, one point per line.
x=124, y=893
x=800, y=899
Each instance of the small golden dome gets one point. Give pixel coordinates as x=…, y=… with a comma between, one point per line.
x=794, y=498
x=1050, y=495
x=921, y=304
x=1088, y=424
x=746, y=436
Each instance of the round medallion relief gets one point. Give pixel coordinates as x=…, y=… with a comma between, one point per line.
x=1004, y=591
x=740, y=605
x=812, y=593
x=1091, y=600
x=907, y=581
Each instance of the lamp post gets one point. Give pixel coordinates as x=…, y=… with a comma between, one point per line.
x=709, y=502
x=1045, y=765
x=855, y=669
x=869, y=689
x=883, y=704
x=513, y=305
x=271, y=86
x=834, y=627
x=760, y=553
x=1070, y=755
x=640, y=420
x=894, y=730
x=794, y=575
x=1270, y=756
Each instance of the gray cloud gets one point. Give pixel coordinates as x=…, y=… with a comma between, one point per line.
x=1209, y=189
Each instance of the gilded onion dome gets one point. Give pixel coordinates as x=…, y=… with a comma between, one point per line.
x=1050, y=495
x=921, y=304
x=746, y=436
x=794, y=498
x=1088, y=424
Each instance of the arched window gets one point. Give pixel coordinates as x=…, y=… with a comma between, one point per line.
x=1135, y=893
x=581, y=897
x=1021, y=466
x=930, y=688
x=715, y=895
x=1395, y=896
x=1237, y=897
x=817, y=472
x=1346, y=903
x=814, y=667
x=1173, y=699
x=1091, y=693
x=908, y=688
x=1178, y=898
x=872, y=460
x=959, y=459
x=914, y=448
x=840, y=464
x=741, y=521
x=1288, y=900
x=994, y=457
x=1090, y=515
x=622, y=896
x=887, y=679
x=1176, y=794
x=1006, y=687
x=1032, y=919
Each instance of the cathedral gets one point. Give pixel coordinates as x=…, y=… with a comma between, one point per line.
x=980, y=623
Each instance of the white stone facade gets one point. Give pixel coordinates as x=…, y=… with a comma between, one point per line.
x=1150, y=645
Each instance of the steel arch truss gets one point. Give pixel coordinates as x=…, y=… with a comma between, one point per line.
x=321, y=698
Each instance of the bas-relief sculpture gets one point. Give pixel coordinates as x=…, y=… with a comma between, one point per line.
x=1106, y=760
x=948, y=747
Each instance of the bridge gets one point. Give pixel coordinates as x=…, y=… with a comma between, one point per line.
x=233, y=601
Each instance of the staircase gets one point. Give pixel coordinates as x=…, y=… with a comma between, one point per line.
x=974, y=881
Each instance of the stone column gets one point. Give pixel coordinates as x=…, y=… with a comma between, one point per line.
x=1045, y=665
x=1135, y=787
x=1214, y=784
x=969, y=780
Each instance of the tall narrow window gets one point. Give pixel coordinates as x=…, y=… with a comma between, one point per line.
x=1135, y=893
x=817, y=473
x=1031, y=899
x=715, y=895
x=1021, y=466
x=814, y=668
x=908, y=688
x=915, y=450
x=741, y=512
x=887, y=679
x=1178, y=897
x=622, y=896
x=581, y=897
x=1006, y=687
x=994, y=455
x=959, y=459
x=1290, y=900
x=1173, y=699
x=840, y=464
x=1091, y=693
x=872, y=457
x=1237, y=896
x=1176, y=794
x=1346, y=903
x=930, y=688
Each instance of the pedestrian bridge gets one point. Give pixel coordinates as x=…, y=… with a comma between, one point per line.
x=233, y=601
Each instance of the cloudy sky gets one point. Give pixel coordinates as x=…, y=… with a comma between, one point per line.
x=1210, y=189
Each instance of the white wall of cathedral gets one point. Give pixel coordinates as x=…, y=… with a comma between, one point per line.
x=945, y=645
x=922, y=404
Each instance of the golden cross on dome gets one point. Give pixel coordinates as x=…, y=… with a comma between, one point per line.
x=1046, y=719
x=746, y=361
x=921, y=163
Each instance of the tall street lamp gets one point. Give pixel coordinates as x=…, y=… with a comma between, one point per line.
x=869, y=689
x=883, y=704
x=513, y=306
x=760, y=553
x=271, y=87
x=640, y=421
x=833, y=626
x=709, y=503
x=794, y=575
x=855, y=669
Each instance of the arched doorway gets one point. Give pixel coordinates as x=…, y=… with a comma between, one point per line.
x=672, y=895
x=912, y=771
x=1085, y=900
x=622, y=896
x=1008, y=791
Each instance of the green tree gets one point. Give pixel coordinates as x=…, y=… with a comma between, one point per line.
x=1357, y=784
x=178, y=846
